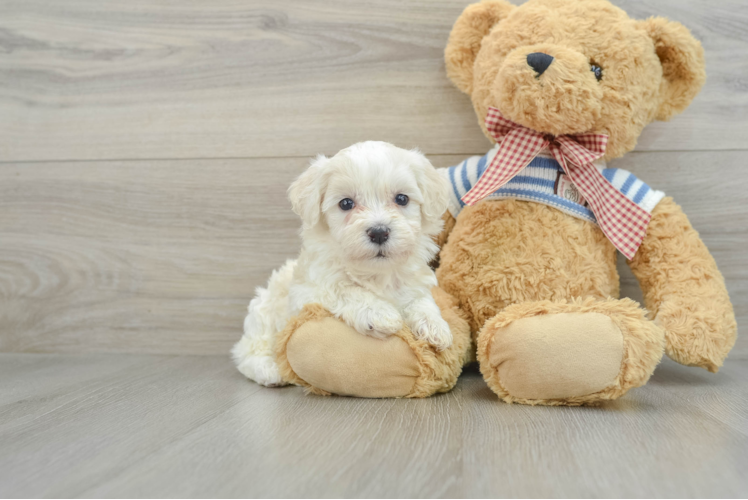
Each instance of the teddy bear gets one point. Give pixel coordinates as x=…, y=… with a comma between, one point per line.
x=527, y=269
x=562, y=87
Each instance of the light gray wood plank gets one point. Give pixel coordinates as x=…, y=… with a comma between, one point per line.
x=650, y=444
x=155, y=79
x=728, y=404
x=193, y=427
x=125, y=255
x=79, y=432
x=30, y=379
x=287, y=445
x=163, y=256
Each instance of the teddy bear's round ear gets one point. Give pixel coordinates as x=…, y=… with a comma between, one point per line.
x=465, y=39
x=683, y=66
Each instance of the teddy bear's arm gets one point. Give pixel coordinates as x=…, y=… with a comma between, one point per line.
x=449, y=224
x=684, y=291
x=441, y=238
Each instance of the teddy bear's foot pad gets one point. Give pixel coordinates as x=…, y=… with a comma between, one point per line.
x=558, y=356
x=333, y=357
x=327, y=356
x=569, y=353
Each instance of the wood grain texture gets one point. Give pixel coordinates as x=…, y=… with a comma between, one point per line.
x=163, y=256
x=658, y=441
x=159, y=79
x=125, y=255
x=145, y=150
x=170, y=426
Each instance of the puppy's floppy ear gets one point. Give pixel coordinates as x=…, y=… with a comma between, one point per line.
x=683, y=66
x=465, y=39
x=435, y=191
x=306, y=191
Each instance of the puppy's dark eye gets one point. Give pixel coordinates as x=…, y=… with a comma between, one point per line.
x=346, y=204
x=402, y=200
x=597, y=70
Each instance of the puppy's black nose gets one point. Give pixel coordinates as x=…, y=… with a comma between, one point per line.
x=539, y=62
x=378, y=234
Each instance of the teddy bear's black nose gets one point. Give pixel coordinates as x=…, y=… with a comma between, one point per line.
x=539, y=62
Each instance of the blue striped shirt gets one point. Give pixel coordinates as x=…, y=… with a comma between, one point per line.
x=544, y=181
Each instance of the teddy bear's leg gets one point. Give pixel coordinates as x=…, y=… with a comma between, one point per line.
x=569, y=353
x=327, y=356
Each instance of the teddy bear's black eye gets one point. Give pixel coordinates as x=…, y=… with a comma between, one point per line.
x=597, y=70
x=346, y=204
x=402, y=199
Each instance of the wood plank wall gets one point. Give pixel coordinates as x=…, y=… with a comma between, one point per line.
x=146, y=146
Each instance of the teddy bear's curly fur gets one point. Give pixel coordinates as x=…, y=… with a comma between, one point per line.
x=534, y=288
x=533, y=279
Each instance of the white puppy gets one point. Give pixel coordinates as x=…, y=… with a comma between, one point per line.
x=369, y=215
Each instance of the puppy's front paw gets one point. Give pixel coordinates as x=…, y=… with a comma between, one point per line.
x=434, y=330
x=380, y=322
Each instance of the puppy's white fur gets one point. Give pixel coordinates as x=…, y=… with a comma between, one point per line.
x=374, y=288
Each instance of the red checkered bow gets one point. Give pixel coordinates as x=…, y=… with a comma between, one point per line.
x=623, y=221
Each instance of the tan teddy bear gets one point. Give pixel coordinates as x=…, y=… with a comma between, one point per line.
x=531, y=265
x=528, y=262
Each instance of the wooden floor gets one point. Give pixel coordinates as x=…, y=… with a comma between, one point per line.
x=187, y=426
x=145, y=151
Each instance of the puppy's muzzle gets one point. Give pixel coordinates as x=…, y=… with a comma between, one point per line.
x=379, y=234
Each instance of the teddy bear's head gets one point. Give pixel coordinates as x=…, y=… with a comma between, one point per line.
x=573, y=66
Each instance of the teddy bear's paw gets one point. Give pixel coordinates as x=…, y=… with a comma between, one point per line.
x=433, y=330
x=574, y=353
